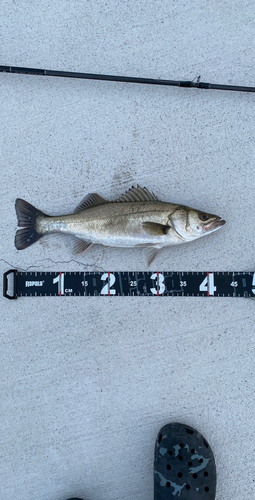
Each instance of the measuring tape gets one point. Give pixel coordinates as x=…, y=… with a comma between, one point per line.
x=143, y=283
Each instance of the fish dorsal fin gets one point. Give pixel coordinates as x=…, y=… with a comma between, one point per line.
x=91, y=200
x=137, y=194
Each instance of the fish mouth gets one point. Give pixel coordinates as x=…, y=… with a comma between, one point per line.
x=215, y=224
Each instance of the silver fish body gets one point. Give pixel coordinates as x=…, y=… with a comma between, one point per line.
x=136, y=219
x=115, y=225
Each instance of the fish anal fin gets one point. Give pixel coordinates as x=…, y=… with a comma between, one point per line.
x=155, y=229
x=150, y=254
x=80, y=245
x=137, y=194
x=91, y=200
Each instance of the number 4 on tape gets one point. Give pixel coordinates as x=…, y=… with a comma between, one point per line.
x=210, y=284
x=207, y=285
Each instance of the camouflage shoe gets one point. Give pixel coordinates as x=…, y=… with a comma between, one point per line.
x=184, y=465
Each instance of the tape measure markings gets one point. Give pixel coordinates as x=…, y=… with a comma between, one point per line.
x=127, y=283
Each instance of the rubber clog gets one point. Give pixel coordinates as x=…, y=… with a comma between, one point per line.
x=184, y=465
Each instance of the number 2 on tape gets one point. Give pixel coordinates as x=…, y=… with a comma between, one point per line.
x=106, y=290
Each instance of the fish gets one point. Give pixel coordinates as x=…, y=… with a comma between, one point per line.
x=137, y=219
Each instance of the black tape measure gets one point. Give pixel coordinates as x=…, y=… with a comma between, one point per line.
x=142, y=283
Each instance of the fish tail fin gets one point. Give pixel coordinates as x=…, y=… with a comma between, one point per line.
x=27, y=216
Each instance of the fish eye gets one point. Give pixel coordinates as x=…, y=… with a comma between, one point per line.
x=204, y=217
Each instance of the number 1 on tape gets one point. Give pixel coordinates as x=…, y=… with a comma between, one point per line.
x=60, y=280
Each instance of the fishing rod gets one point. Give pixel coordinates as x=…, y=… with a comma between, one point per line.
x=127, y=79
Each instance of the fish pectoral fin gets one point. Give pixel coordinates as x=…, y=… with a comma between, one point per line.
x=155, y=229
x=91, y=200
x=150, y=254
x=80, y=245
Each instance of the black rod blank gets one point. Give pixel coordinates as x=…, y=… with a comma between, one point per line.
x=126, y=79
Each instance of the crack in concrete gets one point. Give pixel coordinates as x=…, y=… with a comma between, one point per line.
x=8, y=263
x=84, y=264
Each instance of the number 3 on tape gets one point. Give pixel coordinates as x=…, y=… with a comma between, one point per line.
x=160, y=284
x=207, y=284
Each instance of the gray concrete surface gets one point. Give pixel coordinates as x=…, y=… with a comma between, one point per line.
x=87, y=383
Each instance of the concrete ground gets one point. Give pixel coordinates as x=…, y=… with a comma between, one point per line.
x=86, y=383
